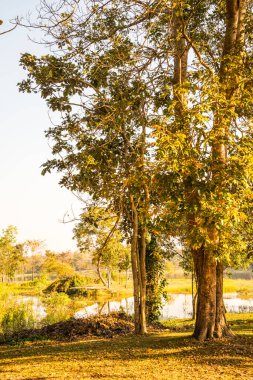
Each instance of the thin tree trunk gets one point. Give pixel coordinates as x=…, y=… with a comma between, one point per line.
x=108, y=278
x=142, y=231
x=100, y=274
x=143, y=281
x=194, y=295
x=134, y=258
x=221, y=326
x=195, y=298
x=126, y=278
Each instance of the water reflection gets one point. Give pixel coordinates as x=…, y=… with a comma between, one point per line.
x=126, y=305
x=178, y=306
x=37, y=305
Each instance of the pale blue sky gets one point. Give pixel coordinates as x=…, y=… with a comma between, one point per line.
x=33, y=203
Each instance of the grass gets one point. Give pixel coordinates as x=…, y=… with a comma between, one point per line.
x=178, y=285
x=244, y=287
x=160, y=355
x=174, y=286
x=240, y=323
x=183, y=285
x=26, y=288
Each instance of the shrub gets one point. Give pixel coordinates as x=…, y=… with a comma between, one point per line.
x=58, y=308
x=69, y=285
x=18, y=317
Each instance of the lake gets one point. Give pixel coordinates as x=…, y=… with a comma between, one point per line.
x=177, y=306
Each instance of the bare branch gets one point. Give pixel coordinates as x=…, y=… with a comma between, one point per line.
x=11, y=29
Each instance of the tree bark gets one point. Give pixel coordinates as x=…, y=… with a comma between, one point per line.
x=143, y=280
x=134, y=254
x=126, y=278
x=205, y=267
x=99, y=273
x=194, y=295
x=221, y=326
x=109, y=274
x=138, y=252
x=210, y=312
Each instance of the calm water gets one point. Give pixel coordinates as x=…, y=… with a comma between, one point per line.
x=178, y=306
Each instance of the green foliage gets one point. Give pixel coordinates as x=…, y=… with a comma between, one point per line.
x=124, y=262
x=135, y=128
x=58, y=308
x=34, y=256
x=93, y=232
x=18, y=317
x=52, y=264
x=34, y=287
x=156, y=283
x=11, y=253
x=70, y=285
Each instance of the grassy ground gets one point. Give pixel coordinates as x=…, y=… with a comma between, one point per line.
x=174, y=286
x=240, y=286
x=27, y=288
x=36, y=287
x=159, y=355
x=183, y=285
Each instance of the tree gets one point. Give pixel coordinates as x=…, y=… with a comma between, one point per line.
x=124, y=263
x=156, y=113
x=155, y=266
x=114, y=148
x=34, y=250
x=11, y=253
x=52, y=264
x=208, y=142
x=92, y=232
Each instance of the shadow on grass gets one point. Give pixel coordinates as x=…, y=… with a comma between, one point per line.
x=135, y=348
x=242, y=325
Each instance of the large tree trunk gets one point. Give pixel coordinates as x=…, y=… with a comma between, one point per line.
x=210, y=313
x=205, y=267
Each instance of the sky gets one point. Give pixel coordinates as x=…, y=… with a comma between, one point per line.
x=35, y=204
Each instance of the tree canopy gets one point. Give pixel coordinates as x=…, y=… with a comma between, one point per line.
x=156, y=124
